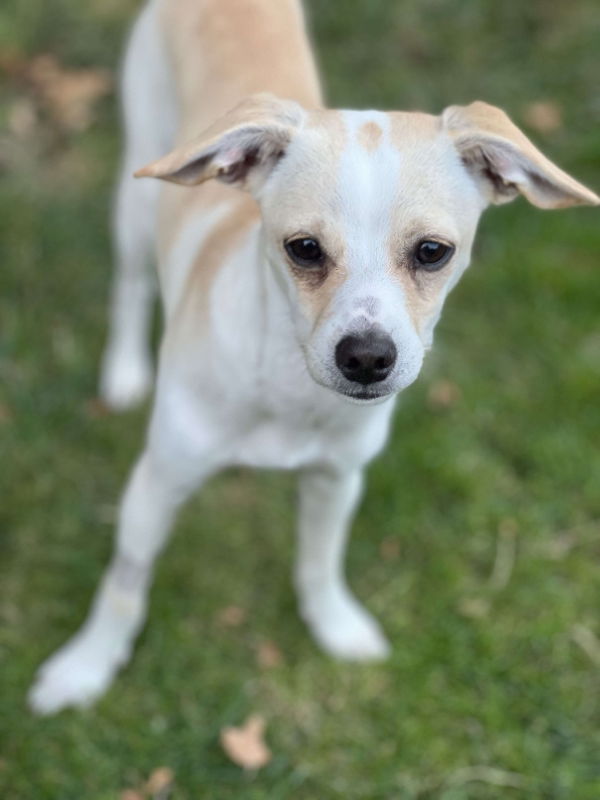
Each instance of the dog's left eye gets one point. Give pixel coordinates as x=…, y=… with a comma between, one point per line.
x=305, y=251
x=431, y=255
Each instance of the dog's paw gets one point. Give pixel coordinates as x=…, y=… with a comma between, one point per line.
x=73, y=676
x=125, y=380
x=345, y=630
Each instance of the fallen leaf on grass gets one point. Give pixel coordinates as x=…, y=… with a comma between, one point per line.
x=131, y=794
x=544, y=116
x=245, y=745
x=96, y=408
x=443, y=394
x=157, y=787
x=231, y=616
x=69, y=95
x=268, y=655
x=160, y=782
x=389, y=548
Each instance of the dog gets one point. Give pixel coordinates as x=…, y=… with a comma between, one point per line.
x=295, y=310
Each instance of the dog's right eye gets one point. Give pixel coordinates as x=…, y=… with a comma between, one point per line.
x=305, y=251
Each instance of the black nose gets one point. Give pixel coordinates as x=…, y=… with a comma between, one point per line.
x=366, y=358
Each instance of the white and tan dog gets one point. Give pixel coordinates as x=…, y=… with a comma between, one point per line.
x=294, y=313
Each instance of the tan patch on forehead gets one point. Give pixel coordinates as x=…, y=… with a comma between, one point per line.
x=331, y=123
x=369, y=135
x=409, y=127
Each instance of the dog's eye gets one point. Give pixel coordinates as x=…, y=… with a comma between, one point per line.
x=305, y=251
x=431, y=255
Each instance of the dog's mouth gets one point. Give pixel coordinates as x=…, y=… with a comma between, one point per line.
x=356, y=393
x=364, y=397
x=359, y=395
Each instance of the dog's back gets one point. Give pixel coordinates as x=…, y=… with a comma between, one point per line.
x=221, y=51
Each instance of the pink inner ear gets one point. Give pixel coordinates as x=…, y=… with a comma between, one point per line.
x=227, y=159
x=507, y=167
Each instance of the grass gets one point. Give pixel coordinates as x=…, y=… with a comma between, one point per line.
x=488, y=693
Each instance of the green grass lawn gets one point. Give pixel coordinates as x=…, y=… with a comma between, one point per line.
x=477, y=544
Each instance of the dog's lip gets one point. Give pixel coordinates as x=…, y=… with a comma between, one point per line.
x=364, y=396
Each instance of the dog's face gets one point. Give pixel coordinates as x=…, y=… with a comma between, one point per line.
x=369, y=219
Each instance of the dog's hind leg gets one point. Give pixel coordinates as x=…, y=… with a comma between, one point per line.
x=149, y=117
x=336, y=619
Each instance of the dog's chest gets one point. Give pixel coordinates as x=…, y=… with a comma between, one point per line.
x=298, y=435
x=273, y=444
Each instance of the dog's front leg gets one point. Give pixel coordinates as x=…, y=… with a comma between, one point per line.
x=80, y=671
x=328, y=499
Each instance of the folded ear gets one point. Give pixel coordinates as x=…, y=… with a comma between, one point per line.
x=240, y=148
x=505, y=162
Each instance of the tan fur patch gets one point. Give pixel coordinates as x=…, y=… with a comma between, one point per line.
x=213, y=71
x=222, y=52
x=331, y=122
x=211, y=257
x=421, y=293
x=223, y=238
x=407, y=127
x=369, y=135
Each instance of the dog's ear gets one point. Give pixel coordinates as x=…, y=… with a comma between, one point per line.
x=505, y=163
x=240, y=148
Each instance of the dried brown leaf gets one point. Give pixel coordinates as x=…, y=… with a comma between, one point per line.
x=389, y=548
x=232, y=616
x=160, y=782
x=131, y=794
x=268, y=655
x=544, y=116
x=68, y=94
x=96, y=408
x=443, y=394
x=245, y=745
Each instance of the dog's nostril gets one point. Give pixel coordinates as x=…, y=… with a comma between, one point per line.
x=366, y=358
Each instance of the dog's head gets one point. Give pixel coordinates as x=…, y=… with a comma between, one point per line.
x=369, y=219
